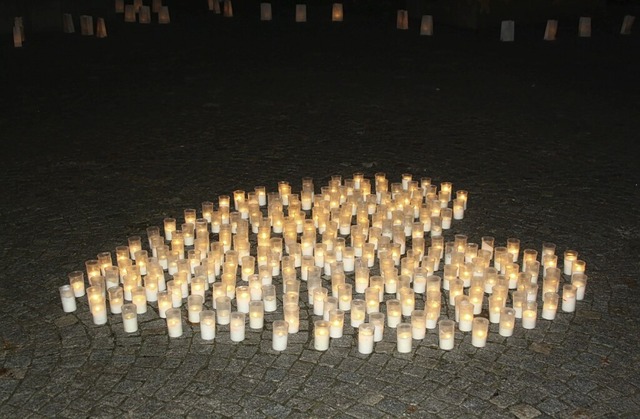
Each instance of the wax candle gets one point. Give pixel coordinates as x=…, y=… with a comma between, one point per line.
x=569, y=298
x=578, y=266
x=280, y=335
x=372, y=298
x=130, y=318
x=174, y=322
x=507, y=321
x=476, y=297
x=407, y=300
x=458, y=209
x=403, y=338
x=330, y=303
x=194, y=307
x=207, y=324
x=76, y=281
x=345, y=296
x=336, y=320
x=292, y=316
x=68, y=298
x=513, y=248
x=256, y=314
x=116, y=299
x=358, y=312
x=164, y=303
x=479, y=332
x=548, y=248
x=321, y=335
x=223, y=310
x=456, y=288
x=243, y=296
x=418, y=324
x=529, y=315
x=550, y=305
x=237, y=326
x=579, y=280
x=139, y=298
x=394, y=312
x=570, y=256
x=519, y=299
x=377, y=320
x=365, y=338
x=465, y=315
x=446, y=334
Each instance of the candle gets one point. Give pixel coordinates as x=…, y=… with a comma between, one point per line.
x=407, y=300
x=465, y=315
x=529, y=315
x=479, y=332
x=139, y=298
x=476, y=296
x=579, y=280
x=243, y=296
x=256, y=315
x=76, y=281
x=394, y=312
x=68, y=298
x=507, y=321
x=207, y=324
x=550, y=305
x=348, y=259
x=446, y=334
x=93, y=268
x=458, y=209
x=418, y=324
x=377, y=320
x=569, y=298
x=362, y=279
x=223, y=310
x=496, y=303
x=175, y=291
x=194, y=307
x=358, y=312
x=164, y=303
x=174, y=322
x=116, y=299
x=372, y=298
x=98, y=308
x=570, y=256
x=321, y=335
x=280, y=335
x=456, y=288
x=292, y=316
x=548, y=249
x=578, y=266
x=365, y=338
x=404, y=338
x=519, y=299
x=330, y=303
x=130, y=318
x=236, y=326
x=513, y=248
x=269, y=298
x=336, y=320
x=344, y=297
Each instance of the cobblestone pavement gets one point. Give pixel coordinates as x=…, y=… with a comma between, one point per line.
x=104, y=138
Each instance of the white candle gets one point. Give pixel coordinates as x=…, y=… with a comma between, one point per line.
x=269, y=298
x=321, y=335
x=223, y=310
x=280, y=335
x=243, y=296
x=418, y=324
x=529, y=316
x=507, y=321
x=292, y=316
x=129, y=318
x=256, y=314
x=377, y=319
x=569, y=298
x=570, y=256
x=237, y=327
x=174, y=322
x=365, y=338
x=207, y=325
x=550, y=305
x=394, y=313
x=579, y=280
x=408, y=301
x=480, y=331
x=164, y=303
x=99, y=312
x=68, y=298
x=76, y=280
x=446, y=334
x=404, y=338
x=194, y=307
x=139, y=298
x=336, y=320
x=358, y=311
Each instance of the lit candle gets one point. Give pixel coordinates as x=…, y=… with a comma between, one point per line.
x=68, y=298
x=365, y=338
x=519, y=299
x=207, y=324
x=292, y=316
x=569, y=298
x=256, y=315
x=344, y=297
x=456, y=288
x=496, y=303
x=243, y=296
x=164, y=303
x=404, y=338
x=336, y=320
x=223, y=310
x=237, y=327
x=98, y=308
x=269, y=298
x=513, y=248
x=570, y=256
x=76, y=281
x=139, y=298
x=130, y=318
x=93, y=268
x=116, y=299
x=280, y=335
x=579, y=280
x=550, y=305
x=465, y=315
x=194, y=307
x=418, y=324
x=446, y=334
x=135, y=244
x=433, y=312
x=480, y=332
x=458, y=209
x=507, y=321
x=529, y=315
x=358, y=312
x=578, y=267
x=372, y=297
x=330, y=303
x=394, y=312
x=321, y=335
x=377, y=320
x=408, y=301
x=362, y=279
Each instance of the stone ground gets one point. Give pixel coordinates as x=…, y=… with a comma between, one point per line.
x=103, y=138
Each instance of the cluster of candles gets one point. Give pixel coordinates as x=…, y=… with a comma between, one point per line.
x=353, y=254
x=138, y=11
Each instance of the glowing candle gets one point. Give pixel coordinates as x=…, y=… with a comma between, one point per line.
x=403, y=338
x=529, y=315
x=321, y=335
x=256, y=315
x=446, y=334
x=194, y=307
x=418, y=324
x=372, y=297
x=507, y=321
x=336, y=320
x=223, y=310
x=207, y=324
x=579, y=280
x=164, y=303
x=139, y=298
x=130, y=318
x=358, y=312
x=269, y=298
x=569, y=298
x=519, y=299
x=237, y=327
x=243, y=296
x=570, y=256
x=365, y=338
x=280, y=335
x=292, y=316
x=68, y=298
x=479, y=332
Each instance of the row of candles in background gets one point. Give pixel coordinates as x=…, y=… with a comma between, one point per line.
x=230, y=273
